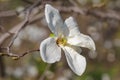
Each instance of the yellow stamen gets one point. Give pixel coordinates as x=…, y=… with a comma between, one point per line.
x=61, y=41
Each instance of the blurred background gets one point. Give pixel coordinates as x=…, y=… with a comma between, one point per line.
x=99, y=19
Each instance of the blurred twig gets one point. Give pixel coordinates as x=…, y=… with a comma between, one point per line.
x=27, y=1
x=15, y=31
x=97, y=12
x=17, y=56
x=2, y=29
x=8, y=13
x=108, y=14
x=94, y=11
x=16, y=13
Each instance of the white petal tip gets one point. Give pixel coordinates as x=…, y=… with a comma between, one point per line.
x=93, y=45
x=71, y=17
x=94, y=49
x=47, y=6
x=81, y=70
x=50, y=8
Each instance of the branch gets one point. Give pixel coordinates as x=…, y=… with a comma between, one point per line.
x=17, y=56
x=15, y=31
x=2, y=30
x=16, y=13
x=8, y=13
x=27, y=1
x=71, y=9
x=108, y=14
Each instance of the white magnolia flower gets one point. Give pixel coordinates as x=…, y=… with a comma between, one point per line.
x=67, y=37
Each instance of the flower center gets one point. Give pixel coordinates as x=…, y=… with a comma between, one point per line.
x=61, y=41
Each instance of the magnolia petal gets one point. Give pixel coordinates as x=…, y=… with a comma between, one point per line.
x=72, y=26
x=49, y=51
x=55, y=21
x=82, y=41
x=76, y=61
x=77, y=49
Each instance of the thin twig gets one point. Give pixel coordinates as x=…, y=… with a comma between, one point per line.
x=8, y=13
x=27, y=1
x=108, y=14
x=2, y=29
x=71, y=9
x=22, y=25
x=36, y=4
x=73, y=2
x=18, y=56
x=15, y=31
